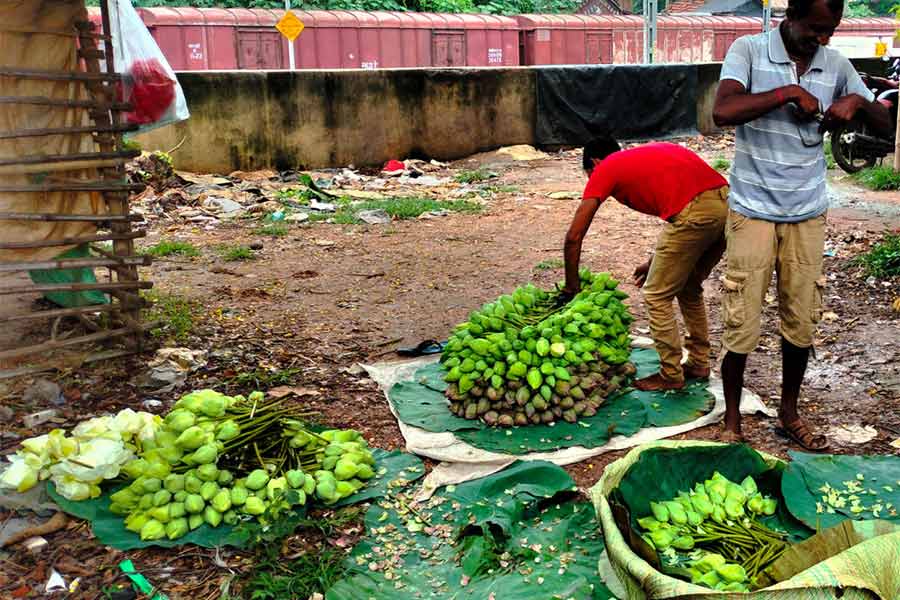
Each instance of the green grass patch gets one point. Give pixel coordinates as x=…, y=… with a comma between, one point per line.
x=262, y=379
x=879, y=178
x=883, y=259
x=721, y=164
x=829, y=157
x=174, y=313
x=550, y=264
x=171, y=248
x=273, y=230
x=396, y=208
x=236, y=253
x=474, y=176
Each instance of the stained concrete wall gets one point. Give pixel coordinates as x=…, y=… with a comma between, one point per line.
x=313, y=119
x=310, y=119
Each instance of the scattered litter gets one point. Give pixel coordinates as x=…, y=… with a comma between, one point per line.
x=362, y=194
x=896, y=443
x=257, y=176
x=226, y=207
x=43, y=392
x=39, y=418
x=202, y=179
x=286, y=390
x=321, y=206
x=564, y=195
x=324, y=243
x=140, y=581
x=852, y=434
x=522, y=152
x=430, y=180
x=354, y=369
x=393, y=168
x=829, y=317
x=374, y=217
x=169, y=368
x=152, y=404
x=433, y=214
x=55, y=583
x=36, y=544
x=297, y=217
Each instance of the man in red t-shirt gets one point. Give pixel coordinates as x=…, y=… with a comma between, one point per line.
x=674, y=184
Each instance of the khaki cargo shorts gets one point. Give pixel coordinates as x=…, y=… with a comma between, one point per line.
x=756, y=248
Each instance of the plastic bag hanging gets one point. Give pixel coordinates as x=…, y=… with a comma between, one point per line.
x=149, y=84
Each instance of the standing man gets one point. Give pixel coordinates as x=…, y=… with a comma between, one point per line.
x=772, y=87
x=674, y=184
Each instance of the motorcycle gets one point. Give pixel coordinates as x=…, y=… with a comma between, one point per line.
x=853, y=147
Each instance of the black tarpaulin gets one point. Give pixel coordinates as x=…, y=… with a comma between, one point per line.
x=630, y=102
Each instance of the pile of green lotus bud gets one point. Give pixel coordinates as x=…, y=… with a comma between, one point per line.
x=718, y=520
x=525, y=359
x=221, y=459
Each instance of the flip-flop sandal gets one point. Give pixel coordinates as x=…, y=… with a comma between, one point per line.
x=426, y=347
x=799, y=432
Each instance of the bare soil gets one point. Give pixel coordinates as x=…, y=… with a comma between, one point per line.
x=327, y=296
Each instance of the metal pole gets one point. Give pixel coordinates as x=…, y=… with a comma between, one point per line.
x=287, y=8
x=649, y=30
x=767, y=15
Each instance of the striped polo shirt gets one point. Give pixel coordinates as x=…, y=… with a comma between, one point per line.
x=778, y=172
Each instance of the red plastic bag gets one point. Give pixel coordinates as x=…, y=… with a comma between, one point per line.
x=148, y=82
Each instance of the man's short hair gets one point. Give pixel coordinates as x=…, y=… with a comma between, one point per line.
x=797, y=9
x=598, y=149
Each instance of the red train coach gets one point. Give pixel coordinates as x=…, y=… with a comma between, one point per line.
x=212, y=38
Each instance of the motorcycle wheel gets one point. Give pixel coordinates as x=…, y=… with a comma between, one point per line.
x=843, y=152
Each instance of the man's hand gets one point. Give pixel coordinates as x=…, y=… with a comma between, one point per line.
x=842, y=111
x=640, y=274
x=807, y=105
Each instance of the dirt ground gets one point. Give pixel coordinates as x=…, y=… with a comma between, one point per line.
x=327, y=296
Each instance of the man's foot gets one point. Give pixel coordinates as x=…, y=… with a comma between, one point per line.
x=692, y=372
x=798, y=431
x=728, y=436
x=657, y=383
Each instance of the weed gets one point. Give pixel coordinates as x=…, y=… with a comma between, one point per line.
x=277, y=579
x=171, y=248
x=721, y=164
x=175, y=314
x=299, y=196
x=883, y=259
x=396, y=208
x=498, y=189
x=829, y=157
x=879, y=178
x=262, y=379
x=273, y=229
x=235, y=253
x=474, y=176
x=552, y=263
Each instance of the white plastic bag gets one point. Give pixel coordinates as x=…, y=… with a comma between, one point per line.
x=149, y=83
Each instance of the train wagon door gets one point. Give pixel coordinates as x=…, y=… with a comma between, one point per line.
x=722, y=42
x=259, y=49
x=598, y=48
x=448, y=49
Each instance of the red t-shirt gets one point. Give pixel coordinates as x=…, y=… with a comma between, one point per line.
x=655, y=179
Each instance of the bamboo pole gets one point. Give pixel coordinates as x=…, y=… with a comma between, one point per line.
x=73, y=241
x=77, y=287
x=75, y=186
x=15, y=216
x=59, y=167
x=65, y=103
x=92, y=358
x=51, y=75
x=62, y=312
x=44, y=159
x=54, y=344
x=23, y=133
x=74, y=263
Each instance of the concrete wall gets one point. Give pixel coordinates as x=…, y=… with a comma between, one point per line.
x=313, y=119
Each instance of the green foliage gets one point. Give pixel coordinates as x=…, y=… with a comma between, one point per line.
x=859, y=8
x=171, y=248
x=829, y=157
x=236, y=253
x=498, y=7
x=547, y=265
x=883, y=259
x=274, y=578
x=174, y=313
x=397, y=208
x=474, y=176
x=878, y=178
x=721, y=164
x=273, y=229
